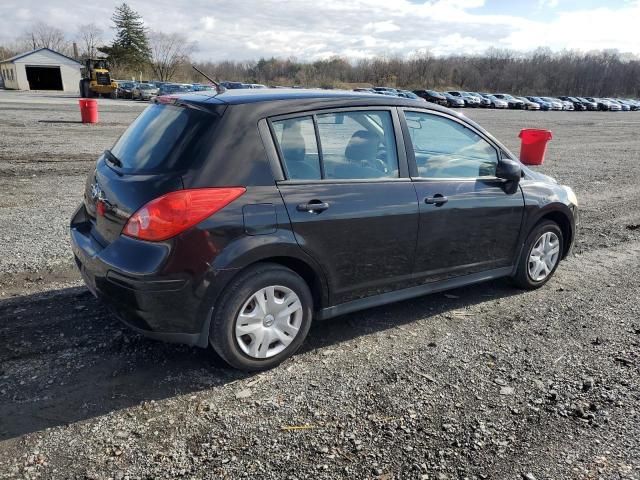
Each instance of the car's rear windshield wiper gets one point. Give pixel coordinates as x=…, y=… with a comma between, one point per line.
x=112, y=158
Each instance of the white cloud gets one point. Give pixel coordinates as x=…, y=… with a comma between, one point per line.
x=548, y=3
x=381, y=27
x=247, y=29
x=208, y=23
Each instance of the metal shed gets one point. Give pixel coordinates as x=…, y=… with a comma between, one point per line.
x=41, y=69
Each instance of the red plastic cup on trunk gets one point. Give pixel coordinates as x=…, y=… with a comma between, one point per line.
x=88, y=110
x=533, y=144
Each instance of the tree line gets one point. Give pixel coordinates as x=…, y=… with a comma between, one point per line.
x=138, y=53
x=542, y=72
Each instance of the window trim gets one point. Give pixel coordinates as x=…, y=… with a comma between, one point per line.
x=411, y=157
x=401, y=151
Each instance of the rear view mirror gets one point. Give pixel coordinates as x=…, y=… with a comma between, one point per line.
x=511, y=172
x=413, y=124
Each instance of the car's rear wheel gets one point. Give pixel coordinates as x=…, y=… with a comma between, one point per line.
x=540, y=257
x=262, y=317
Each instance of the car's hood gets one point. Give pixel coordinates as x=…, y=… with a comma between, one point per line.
x=534, y=175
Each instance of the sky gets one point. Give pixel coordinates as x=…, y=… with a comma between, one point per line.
x=316, y=29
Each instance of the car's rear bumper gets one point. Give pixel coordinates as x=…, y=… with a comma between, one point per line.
x=143, y=295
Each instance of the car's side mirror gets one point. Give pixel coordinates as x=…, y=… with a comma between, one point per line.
x=511, y=172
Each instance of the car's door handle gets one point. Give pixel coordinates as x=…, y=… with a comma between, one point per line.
x=313, y=206
x=436, y=200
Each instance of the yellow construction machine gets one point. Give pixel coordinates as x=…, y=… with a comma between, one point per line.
x=96, y=80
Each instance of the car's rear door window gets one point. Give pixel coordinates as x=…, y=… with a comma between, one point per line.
x=296, y=138
x=353, y=145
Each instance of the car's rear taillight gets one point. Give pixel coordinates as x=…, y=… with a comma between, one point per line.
x=173, y=213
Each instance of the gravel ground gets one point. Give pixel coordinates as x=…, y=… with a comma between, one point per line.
x=481, y=382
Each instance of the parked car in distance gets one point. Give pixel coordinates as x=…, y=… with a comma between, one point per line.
x=173, y=88
x=633, y=104
x=408, y=94
x=590, y=104
x=578, y=104
x=385, y=89
x=555, y=103
x=566, y=104
x=432, y=96
x=469, y=100
x=544, y=104
x=256, y=85
x=200, y=87
x=233, y=85
x=495, y=102
x=364, y=90
x=513, y=103
x=453, y=101
x=528, y=104
x=125, y=89
x=484, y=102
x=472, y=99
x=144, y=91
x=250, y=217
x=603, y=105
x=623, y=107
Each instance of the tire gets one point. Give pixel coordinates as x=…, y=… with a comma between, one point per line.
x=523, y=277
x=239, y=297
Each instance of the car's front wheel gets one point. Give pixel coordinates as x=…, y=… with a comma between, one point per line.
x=541, y=255
x=262, y=317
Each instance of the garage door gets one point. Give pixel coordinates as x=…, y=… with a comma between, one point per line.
x=44, y=78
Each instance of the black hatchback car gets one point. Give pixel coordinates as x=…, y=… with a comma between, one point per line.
x=432, y=96
x=235, y=219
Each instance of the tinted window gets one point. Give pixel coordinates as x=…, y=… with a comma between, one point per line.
x=358, y=145
x=297, y=140
x=446, y=149
x=354, y=145
x=162, y=138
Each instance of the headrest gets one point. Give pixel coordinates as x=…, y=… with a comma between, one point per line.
x=363, y=145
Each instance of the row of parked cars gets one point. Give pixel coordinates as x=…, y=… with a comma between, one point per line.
x=148, y=90
x=452, y=98
x=458, y=98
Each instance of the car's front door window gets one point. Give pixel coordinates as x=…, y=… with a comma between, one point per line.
x=444, y=148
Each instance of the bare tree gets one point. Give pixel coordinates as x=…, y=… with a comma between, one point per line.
x=42, y=35
x=168, y=52
x=89, y=37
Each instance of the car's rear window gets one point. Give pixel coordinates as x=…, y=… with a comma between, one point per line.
x=164, y=138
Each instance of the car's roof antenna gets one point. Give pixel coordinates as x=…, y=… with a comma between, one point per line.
x=219, y=88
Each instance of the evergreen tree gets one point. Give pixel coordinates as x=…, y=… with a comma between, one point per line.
x=130, y=47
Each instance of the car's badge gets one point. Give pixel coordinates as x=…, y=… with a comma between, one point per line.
x=96, y=192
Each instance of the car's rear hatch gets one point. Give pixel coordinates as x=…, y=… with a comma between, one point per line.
x=147, y=162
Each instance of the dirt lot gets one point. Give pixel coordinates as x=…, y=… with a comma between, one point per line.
x=482, y=382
